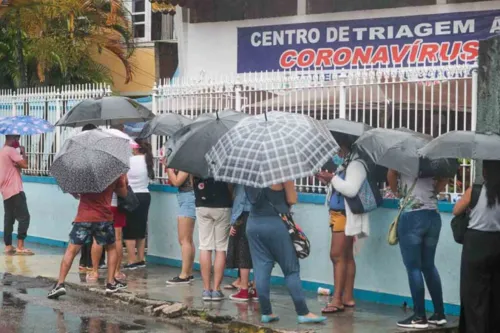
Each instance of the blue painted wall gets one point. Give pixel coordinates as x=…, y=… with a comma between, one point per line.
x=381, y=275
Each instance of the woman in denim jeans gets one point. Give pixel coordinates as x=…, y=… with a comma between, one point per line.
x=418, y=232
x=185, y=224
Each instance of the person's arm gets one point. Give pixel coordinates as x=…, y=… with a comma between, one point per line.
x=462, y=204
x=177, y=179
x=19, y=159
x=290, y=192
x=392, y=180
x=121, y=186
x=354, y=177
x=440, y=184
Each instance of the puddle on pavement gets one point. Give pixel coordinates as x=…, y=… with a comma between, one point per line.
x=37, y=314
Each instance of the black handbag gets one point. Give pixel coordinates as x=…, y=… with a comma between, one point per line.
x=460, y=223
x=129, y=203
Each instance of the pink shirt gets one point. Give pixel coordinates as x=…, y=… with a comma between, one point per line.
x=10, y=175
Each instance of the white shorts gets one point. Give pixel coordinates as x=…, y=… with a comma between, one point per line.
x=213, y=228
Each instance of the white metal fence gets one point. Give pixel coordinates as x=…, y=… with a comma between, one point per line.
x=431, y=100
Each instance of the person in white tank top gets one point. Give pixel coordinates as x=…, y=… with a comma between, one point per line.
x=480, y=267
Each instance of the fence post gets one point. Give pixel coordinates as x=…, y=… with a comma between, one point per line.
x=473, y=110
x=14, y=103
x=342, y=96
x=58, y=116
x=237, y=96
x=154, y=109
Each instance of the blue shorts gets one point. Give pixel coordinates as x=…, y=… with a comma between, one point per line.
x=186, y=203
x=83, y=233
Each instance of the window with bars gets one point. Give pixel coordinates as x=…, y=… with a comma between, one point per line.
x=331, y=6
x=139, y=18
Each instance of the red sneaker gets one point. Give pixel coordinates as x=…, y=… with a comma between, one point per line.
x=241, y=296
x=253, y=294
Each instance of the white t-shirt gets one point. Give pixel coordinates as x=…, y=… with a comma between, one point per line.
x=138, y=178
x=423, y=195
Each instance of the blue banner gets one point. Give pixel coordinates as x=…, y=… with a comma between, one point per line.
x=451, y=38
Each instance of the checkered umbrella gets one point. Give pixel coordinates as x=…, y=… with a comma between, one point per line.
x=270, y=149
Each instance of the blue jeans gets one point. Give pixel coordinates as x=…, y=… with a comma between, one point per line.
x=418, y=234
x=269, y=243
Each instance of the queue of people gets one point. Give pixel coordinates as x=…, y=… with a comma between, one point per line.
x=243, y=227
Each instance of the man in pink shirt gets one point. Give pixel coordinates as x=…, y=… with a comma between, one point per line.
x=12, y=160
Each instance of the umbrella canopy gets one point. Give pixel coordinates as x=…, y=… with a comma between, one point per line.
x=91, y=161
x=270, y=149
x=24, y=125
x=393, y=149
x=463, y=144
x=187, y=147
x=352, y=129
x=112, y=110
x=165, y=124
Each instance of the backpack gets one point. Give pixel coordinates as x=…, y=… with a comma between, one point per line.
x=460, y=223
x=368, y=198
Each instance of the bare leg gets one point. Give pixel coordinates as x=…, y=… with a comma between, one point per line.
x=206, y=268
x=119, y=253
x=96, y=254
x=244, y=278
x=185, y=229
x=337, y=255
x=112, y=262
x=141, y=250
x=350, y=273
x=67, y=261
x=219, y=266
x=131, y=256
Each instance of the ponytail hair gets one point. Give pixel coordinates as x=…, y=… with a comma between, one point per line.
x=146, y=149
x=492, y=182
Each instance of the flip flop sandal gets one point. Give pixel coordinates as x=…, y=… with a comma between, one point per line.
x=11, y=251
x=24, y=252
x=332, y=309
x=349, y=305
x=230, y=287
x=92, y=277
x=120, y=276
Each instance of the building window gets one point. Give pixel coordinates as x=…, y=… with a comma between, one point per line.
x=139, y=18
x=331, y=6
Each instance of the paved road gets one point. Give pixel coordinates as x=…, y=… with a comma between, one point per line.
x=25, y=308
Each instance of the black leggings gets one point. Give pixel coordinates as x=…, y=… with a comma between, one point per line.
x=138, y=219
x=86, y=256
x=480, y=283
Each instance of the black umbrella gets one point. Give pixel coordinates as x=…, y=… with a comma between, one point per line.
x=352, y=129
x=164, y=124
x=187, y=147
x=112, y=110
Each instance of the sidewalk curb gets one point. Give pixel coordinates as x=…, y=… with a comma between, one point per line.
x=175, y=312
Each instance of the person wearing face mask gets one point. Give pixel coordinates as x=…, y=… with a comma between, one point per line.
x=12, y=160
x=345, y=182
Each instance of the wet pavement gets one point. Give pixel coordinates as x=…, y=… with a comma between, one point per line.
x=150, y=283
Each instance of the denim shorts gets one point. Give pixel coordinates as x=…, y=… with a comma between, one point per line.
x=83, y=232
x=186, y=201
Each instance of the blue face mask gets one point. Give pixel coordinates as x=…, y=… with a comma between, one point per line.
x=337, y=160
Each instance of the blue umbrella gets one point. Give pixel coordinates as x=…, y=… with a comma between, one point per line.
x=24, y=125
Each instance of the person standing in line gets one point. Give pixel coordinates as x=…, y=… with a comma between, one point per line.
x=134, y=232
x=270, y=242
x=94, y=220
x=238, y=253
x=346, y=182
x=419, y=228
x=480, y=267
x=213, y=213
x=85, y=253
x=12, y=160
x=186, y=217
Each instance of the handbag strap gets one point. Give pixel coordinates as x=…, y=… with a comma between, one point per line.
x=406, y=199
x=475, y=194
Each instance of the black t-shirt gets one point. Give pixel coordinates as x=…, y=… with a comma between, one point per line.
x=211, y=193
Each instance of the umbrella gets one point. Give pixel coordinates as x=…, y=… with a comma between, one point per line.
x=91, y=161
x=112, y=110
x=270, y=149
x=393, y=149
x=24, y=125
x=187, y=147
x=352, y=129
x=165, y=124
x=464, y=144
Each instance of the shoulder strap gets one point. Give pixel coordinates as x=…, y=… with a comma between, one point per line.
x=476, y=192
